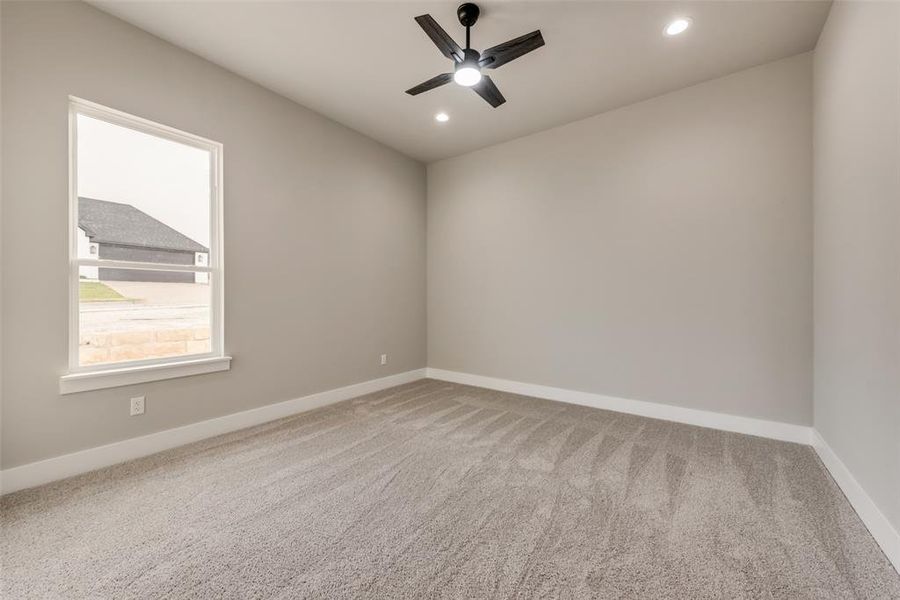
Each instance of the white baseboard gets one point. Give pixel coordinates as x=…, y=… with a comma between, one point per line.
x=770, y=429
x=878, y=525
x=60, y=467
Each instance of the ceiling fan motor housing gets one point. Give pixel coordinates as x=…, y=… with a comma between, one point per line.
x=471, y=59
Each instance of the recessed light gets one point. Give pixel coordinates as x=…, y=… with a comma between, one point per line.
x=677, y=26
x=442, y=117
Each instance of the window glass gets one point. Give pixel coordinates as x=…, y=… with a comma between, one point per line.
x=138, y=314
x=142, y=198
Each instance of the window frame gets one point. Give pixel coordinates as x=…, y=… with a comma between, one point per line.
x=81, y=378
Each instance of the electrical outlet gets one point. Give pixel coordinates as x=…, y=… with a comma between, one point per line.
x=137, y=406
x=384, y=359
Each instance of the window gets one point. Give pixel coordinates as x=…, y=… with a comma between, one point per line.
x=145, y=258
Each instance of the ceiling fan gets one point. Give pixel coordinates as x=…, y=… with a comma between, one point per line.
x=468, y=63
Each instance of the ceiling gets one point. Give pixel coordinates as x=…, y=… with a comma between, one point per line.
x=352, y=61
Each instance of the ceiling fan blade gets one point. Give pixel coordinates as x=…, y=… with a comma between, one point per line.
x=501, y=54
x=436, y=81
x=441, y=38
x=487, y=90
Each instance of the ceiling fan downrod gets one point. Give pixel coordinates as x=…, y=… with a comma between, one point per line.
x=467, y=14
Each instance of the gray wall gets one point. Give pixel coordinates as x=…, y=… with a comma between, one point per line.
x=324, y=234
x=660, y=252
x=857, y=244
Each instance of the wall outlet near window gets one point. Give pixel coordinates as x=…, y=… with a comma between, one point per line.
x=384, y=359
x=137, y=406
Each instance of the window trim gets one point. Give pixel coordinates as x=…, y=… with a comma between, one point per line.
x=83, y=378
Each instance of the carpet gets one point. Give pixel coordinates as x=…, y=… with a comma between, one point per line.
x=439, y=490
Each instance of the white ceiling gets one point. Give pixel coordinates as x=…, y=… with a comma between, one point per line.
x=352, y=61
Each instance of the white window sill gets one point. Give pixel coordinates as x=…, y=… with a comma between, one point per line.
x=98, y=380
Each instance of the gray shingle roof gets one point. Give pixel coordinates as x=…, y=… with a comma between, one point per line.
x=114, y=223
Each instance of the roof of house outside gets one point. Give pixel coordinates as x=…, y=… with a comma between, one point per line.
x=115, y=223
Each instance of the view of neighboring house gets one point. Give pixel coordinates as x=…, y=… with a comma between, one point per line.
x=116, y=231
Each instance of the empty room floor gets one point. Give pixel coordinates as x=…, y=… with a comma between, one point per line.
x=434, y=489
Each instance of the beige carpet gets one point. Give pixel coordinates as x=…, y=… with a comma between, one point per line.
x=434, y=490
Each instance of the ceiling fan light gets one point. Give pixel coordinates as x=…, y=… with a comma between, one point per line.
x=467, y=76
